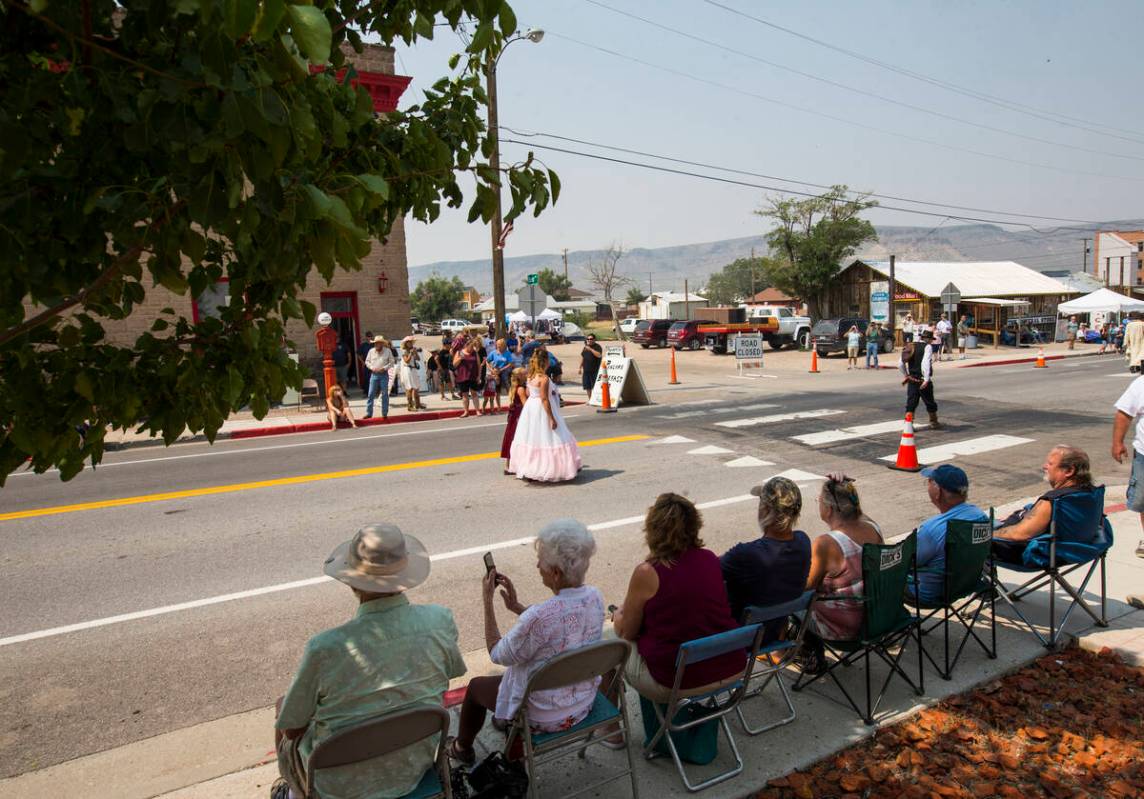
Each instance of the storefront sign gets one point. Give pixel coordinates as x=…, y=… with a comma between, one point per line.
x=903, y=295
x=879, y=300
x=1033, y=320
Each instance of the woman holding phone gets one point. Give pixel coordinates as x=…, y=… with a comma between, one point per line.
x=573, y=617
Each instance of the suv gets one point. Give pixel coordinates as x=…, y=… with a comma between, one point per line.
x=829, y=335
x=652, y=332
x=686, y=334
x=453, y=325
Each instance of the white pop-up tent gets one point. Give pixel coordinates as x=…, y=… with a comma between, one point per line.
x=548, y=314
x=518, y=316
x=1101, y=301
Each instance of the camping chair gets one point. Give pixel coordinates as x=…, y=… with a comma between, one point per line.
x=705, y=706
x=1079, y=535
x=886, y=622
x=578, y=665
x=383, y=735
x=773, y=658
x=967, y=583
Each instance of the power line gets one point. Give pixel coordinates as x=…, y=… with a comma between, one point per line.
x=748, y=173
x=1011, y=105
x=732, y=181
x=857, y=90
x=833, y=118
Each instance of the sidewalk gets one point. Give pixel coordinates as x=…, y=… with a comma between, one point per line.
x=786, y=370
x=230, y=758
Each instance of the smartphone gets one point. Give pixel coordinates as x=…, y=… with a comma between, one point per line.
x=612, y=608
x=490, y=566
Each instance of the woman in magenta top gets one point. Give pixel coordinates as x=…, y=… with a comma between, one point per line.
x=676, y=595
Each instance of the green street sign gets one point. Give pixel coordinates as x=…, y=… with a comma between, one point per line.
x=533, y=280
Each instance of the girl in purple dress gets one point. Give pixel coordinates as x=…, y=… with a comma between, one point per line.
x=517, y=394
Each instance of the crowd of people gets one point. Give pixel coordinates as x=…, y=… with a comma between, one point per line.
x=394, y=653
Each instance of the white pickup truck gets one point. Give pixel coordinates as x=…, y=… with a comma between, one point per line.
x=792, y=329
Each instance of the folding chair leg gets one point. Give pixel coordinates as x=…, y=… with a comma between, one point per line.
x=787, y=719
x=718, y=778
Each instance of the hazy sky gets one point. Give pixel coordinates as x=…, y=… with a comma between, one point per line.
x=1077, y=65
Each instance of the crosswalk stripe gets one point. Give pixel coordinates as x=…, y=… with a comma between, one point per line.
x=799, y=476
x=672, y=440
x=779, y=417
x=747, y=460
x=708, y=411
x=971, y=446
x=710, y=450
x=858, y=431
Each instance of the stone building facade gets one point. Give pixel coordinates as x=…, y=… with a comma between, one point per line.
x=375, y=299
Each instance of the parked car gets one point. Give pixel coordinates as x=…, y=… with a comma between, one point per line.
x=628, y=326
x=685, y=333
x=415, y=325
x=454, y=326
x=652, y=332
x=830, y=335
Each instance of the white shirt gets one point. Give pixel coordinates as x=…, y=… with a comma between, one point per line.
x=1131, y=402
x=378, y=362
x=943, y=328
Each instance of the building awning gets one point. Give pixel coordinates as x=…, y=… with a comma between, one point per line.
x=995, y=301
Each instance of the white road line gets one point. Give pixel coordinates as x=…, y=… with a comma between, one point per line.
x=747, y=461
x=672, y=440
x=799, y=476
x=707, y=412
x=779, y=417
x=710, y=449
x=272, y=589
x=858, y=431
x=971, y=446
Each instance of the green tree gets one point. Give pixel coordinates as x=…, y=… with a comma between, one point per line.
x=436, y=298
x=553, y=284
x=179, y=143
x=738, y=281
x=812, y=239
x=635, y=296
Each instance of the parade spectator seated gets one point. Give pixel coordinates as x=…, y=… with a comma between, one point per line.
x=338, y=407
x=674, y=596
x=1069, y=473
x=773, y=568
x=948, y=488
x=572, y=618
x=390, y=656
x=836, y=569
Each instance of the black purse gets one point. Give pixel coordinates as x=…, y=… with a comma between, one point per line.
x=498, y=778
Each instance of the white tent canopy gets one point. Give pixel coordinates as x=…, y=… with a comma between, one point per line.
x=548, y=314
x=1101, y=300
x=519, y=316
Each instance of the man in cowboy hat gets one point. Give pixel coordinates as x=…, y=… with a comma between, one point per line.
x=917, y=367
x=378, y=363
x=391, y=655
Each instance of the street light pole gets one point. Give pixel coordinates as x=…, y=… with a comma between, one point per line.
x=495, y=229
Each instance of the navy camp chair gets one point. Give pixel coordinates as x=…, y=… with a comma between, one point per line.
x=773, y=658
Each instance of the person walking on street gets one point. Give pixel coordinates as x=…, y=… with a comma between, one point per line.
x=873, y=344
x=853, y=342
x=917, y=368
x=962, y=336
x=1071, y=331
x=590, y=358
x=517, y=396
x=378, y=363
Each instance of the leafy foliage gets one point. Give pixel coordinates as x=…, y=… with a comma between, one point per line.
x=175, y=144
x=635, y=296
x=553, y=284
x=738, y=281
x=437, y=298
x=812, y=239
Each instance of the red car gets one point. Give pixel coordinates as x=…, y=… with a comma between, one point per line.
x=652, y=332
x=686, y=334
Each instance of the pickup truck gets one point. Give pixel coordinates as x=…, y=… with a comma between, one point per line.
x=792, y=329
x=719, y=338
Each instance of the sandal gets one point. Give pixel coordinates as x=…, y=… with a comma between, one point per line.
x=454, y=751
x=615, y=746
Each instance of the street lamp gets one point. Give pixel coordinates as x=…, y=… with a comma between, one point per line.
x=533, y=36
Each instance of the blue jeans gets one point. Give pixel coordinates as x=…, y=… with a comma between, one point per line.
x=1135, y=492
x=378, y=384
x=871, y=352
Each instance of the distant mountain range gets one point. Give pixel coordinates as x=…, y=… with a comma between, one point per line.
x=669, y=266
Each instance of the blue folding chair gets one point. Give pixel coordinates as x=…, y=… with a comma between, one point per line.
x=708, y=705
x=1079, y=535
x=773, y=658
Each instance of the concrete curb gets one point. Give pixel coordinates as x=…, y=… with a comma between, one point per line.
x=1031, y=359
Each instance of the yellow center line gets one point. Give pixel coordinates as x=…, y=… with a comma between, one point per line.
x=280, y=481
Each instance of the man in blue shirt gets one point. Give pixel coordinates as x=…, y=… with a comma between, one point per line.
x=948, y=488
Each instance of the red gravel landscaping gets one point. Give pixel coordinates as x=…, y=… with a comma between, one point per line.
x=1069, y=725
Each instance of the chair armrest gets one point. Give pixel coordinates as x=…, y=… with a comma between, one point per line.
x=840, y=598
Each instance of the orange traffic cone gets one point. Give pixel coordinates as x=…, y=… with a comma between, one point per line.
x=907, y=452
x=813, y=358
x=1040, y=364
x=674, y=381
x=605, y=392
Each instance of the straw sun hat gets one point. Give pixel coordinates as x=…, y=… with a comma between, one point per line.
x=379, y=559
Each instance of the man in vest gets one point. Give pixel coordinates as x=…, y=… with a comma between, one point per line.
x=917, y=366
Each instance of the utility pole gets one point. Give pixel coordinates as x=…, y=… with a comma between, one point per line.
x=753, y=292
x=565, y=263
x=649, y=274
x=893, y=288
x=687, y=300
x=1084, y=256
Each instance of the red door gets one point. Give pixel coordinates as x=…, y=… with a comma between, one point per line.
x=343, y=307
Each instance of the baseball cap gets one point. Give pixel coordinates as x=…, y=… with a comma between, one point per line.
x=947, y=476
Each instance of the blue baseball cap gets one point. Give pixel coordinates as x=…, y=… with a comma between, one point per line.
x=947, y=476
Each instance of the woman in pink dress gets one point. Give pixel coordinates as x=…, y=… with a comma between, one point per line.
x=543, y=448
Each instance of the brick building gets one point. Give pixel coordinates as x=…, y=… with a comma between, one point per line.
x=375, y=299
x=1118, y=259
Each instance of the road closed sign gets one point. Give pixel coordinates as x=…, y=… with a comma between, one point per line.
x=749, y=347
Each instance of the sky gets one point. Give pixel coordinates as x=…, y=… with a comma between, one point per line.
x=1075, y=152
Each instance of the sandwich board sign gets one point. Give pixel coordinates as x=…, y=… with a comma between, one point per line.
x=748, y=352
x=625, y=383
x=615, y=351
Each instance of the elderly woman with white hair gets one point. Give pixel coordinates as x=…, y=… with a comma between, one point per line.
x=573, y=617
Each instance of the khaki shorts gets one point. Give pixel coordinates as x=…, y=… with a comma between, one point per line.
x=851, y=352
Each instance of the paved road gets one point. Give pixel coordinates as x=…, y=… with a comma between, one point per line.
x=64, y=693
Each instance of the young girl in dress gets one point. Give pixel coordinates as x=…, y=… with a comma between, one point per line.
x=492, y=380
x=543, y=448
x=517, y=395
